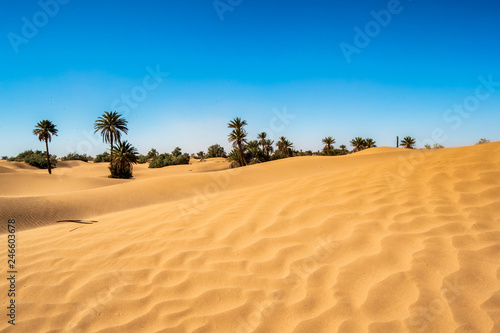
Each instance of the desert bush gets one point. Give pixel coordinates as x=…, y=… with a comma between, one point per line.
x=215, y=151
x=102, y=158
x=5, y=158
x=175, y=158
x=332, y=152
x=152, y=153
x=176, y=152
x=75, y=157
x=142, y=159
x=199, y=156
x=435, y=146
x=278, y=155
x=35, y=158
x=181, y=159
x=161, y=161
x=482, y=141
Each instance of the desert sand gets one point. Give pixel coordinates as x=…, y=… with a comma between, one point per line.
x=384, y=240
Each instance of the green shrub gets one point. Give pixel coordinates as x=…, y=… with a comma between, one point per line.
x=215, y=151
x=199, y=156
x=435, y=146
x=152, y=153
x=142, y=159
x=278, y=155
x=332, y=152
x=181, y=159
x=75, y=157
x=483, y=141
x=163, y=160
x=102, y=158
x=5, y=158
x=176, y=152
x=35, y=158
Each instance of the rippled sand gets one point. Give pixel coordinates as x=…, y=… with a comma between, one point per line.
x=385, y=240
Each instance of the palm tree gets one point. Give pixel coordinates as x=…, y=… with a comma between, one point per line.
x=268, y=147
x=408, y=142
x=262, y=139
x=358, y=143
x=110, y=124
x=256, y=154
x=45, y=129
x=285, y=146
x=234, y=158
x=328, y=141
x=343, y=147
x=369, y=143
x=124, y=156
x=238, y=136
x=254, y=144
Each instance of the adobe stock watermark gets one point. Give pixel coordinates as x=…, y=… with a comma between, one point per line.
x=127, y=101
x=280, y=119
x=30, y=28
x=223, y=6
x=373, y=28
x=278, y=122
x=454, y=117
x=139, y=93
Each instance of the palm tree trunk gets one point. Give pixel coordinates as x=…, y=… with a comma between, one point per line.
x=111, y=150
x=48, y=155
x=242, y=158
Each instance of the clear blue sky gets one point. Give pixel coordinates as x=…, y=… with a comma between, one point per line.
x=263, y=57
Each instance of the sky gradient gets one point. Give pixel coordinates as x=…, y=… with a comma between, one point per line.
x=180, y=70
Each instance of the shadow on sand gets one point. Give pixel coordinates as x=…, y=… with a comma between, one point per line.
x=78, y=221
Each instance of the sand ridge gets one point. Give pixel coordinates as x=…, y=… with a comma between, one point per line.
x=385, y=240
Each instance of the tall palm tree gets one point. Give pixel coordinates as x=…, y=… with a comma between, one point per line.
x=237, y=123
x=328, y=141
x=111, y=124
x=45, y=129
x=238, y=136
x=358, y=143
x=124, y=156
x=268, y=147
x=262, y=139
x=408, y=142
x=369, y=143
x=285, y=146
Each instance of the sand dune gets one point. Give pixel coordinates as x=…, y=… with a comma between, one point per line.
x=385, y=240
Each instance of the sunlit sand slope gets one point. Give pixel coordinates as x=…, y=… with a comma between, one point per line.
x=383, y=240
